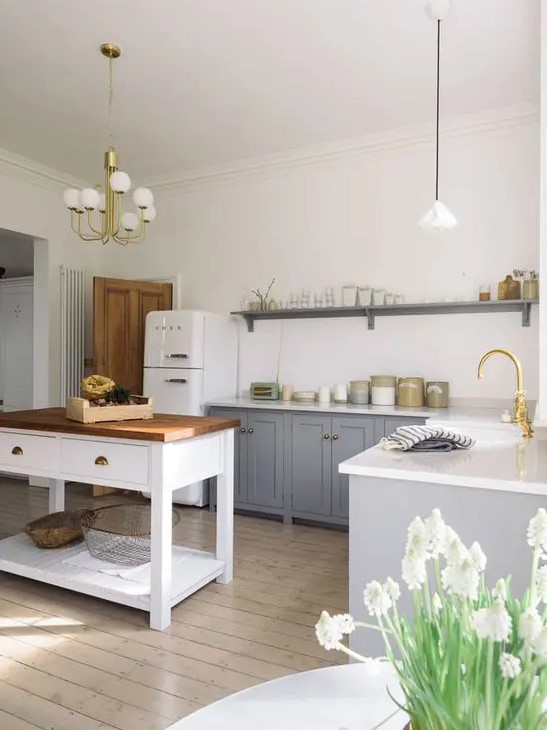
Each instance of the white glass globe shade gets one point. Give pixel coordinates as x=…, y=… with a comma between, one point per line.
x=89, y=199
x=71, y=198
x=143, y=198
x=149, y=214
x=120, y=182
x=438, y=218
x=437, y=9
x=130, y=221
x=102, y=203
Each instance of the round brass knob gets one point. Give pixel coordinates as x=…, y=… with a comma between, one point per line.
x=326, y=436
x=335, y=437
x=243, y=429
x=17, y=451
x=251, y=430
x=101, y=461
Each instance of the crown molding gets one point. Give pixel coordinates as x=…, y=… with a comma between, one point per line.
x=370, y=144
x=35, y=173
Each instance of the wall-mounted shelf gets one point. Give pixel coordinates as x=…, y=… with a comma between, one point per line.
x=523, y=306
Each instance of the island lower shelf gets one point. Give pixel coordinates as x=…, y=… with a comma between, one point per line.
x=19, y=556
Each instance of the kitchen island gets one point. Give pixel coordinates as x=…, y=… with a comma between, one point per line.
x=487, y=493
x=158, y=456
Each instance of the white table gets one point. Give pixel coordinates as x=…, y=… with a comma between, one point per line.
x=158, y=456
x=347, y=697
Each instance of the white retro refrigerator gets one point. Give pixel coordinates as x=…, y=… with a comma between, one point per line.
x=190, y=358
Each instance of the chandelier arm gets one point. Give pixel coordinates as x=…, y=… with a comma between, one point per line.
x=116, y=214
x=78, y=230
x=138, y=238
x=90, y=224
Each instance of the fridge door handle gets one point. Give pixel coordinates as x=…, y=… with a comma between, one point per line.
x=178, y=355
x=176, y=380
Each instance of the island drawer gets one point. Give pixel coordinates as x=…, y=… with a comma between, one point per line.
x=96, y=460
x=26, y=451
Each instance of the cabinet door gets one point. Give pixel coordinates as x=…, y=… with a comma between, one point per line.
x=17, y=343
x=264, y=439
x=240, y=451
x=350, y=436
x=311, y=460
x=391, y=423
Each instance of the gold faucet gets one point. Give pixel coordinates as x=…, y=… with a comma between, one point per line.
x=520, y=411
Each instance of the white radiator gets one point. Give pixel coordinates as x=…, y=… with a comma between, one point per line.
x=72, y=332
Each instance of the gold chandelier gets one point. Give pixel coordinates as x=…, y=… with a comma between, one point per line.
x=111, y=222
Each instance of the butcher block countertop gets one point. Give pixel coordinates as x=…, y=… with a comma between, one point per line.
x=162, y=427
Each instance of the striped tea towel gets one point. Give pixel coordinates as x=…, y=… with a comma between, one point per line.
x=416, y=438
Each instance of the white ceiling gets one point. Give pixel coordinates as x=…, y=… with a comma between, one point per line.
x=203, y=82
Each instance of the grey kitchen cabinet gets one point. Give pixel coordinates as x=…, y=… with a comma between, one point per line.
x=349, y=437
x=258, y=459
x=264, y=459
x=311, y=459
x=286, y=462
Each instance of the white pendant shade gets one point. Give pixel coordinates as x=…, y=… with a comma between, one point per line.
x=149, y=214
x=89, y=198
x=129, y=221
x=120, y=182
x=143, y=198
x=71, y=198
x=438, y=218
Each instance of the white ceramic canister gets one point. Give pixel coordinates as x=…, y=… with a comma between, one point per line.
x=382, y=390
x=341, y=393
x=323, y=395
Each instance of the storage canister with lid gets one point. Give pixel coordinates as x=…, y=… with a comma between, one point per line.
x=382, y=390
x=437, y=394
x=411, y=392
x=358, y=391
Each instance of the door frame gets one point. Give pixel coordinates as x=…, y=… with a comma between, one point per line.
x=175, y=281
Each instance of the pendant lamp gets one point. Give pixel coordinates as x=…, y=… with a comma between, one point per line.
x=438, y=217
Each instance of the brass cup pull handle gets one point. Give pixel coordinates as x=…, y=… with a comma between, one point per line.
x=17, y=451
x=101, y=461
x=326, y=436
x=335, y=437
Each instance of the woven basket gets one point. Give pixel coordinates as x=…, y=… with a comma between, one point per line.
x=120, y=533
x=57, y=529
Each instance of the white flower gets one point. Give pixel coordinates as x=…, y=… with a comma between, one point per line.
x=493, y=622
x=530, y=625
x=510, y=666
x=391, y=587
x=541, y=584
x=437, y=603
x=537, y=531
x=345, y=622
x=414, y=572
x=478, y=557
x=376, y=599
x=540, y=643
x=416, y=544
x=500, y=590
x=454, y=549
x=435, y=533
x=461, y=579
x=328, y=631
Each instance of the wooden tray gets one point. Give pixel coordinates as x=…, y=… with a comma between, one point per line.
x=79, y=409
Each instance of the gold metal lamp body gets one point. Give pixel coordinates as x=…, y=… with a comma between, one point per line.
x=520, y=410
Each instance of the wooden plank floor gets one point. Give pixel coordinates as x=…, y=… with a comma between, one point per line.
x=69, y=661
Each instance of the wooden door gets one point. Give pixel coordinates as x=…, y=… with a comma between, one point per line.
x=120, y=307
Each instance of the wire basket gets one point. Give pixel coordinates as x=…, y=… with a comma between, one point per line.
x=57, y=530
x=120, y=533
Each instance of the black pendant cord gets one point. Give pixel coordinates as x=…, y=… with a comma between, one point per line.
x=438, y=110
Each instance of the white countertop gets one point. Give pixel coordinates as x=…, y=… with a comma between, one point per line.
x=500, y=460
x=454, y=416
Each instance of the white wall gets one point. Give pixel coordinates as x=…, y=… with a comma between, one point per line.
x=353, y=217
x=33, y=205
